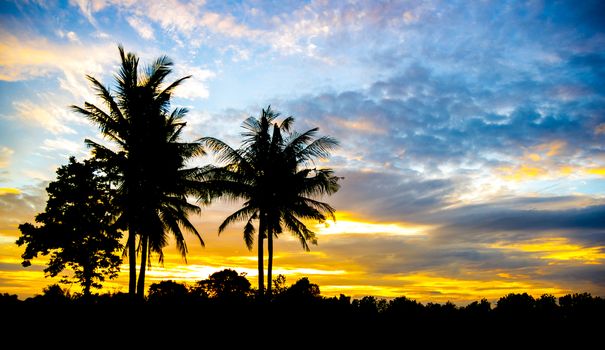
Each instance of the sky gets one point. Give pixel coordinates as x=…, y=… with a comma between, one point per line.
x=472, y=133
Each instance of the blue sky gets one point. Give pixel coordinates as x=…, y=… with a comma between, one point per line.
x=472, y=132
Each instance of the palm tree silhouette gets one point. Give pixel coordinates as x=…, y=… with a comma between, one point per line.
x=149, y=163
x=270, y=173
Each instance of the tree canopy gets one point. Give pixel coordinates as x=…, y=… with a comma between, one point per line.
x=77, y=227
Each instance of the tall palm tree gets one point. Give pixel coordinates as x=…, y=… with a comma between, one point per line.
x=298, y=188
x=148, y=164
x=167, y=209
x=269, y=172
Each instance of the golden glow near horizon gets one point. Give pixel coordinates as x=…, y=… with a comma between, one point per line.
x=557, y=248
x=596, y=171
x=345, y=224
x=448, y=288
x=8, y=190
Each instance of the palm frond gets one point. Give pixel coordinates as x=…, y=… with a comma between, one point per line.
x=244, y=213
x=296, y=141
x=109, y=127
x=299, y=230
x=249, y=232
x=323, y=208
x=323, y=182
x=320, y=148
x=127, y=77
x=157, y=72
x=166, y=94
x=286, y=124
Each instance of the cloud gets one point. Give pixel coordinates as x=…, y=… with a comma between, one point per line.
x=143, y=28
x=89, y=7
x=391, y=196
x=17, y=208
x=25, y=58
x=173, y=16
x=432, y=122
x=64, y=147
x=196, y=86
x=71, y=36
x=5, y=156
x=51, y=118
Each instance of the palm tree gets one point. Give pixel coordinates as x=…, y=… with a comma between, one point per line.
x=148, y=164
x=298, y=188
x=269, y=172
x=167, y=209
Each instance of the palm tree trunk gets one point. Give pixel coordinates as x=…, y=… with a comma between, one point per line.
x=132, y=260
x=270, y=262
x=261, y=277
x=144, y=253
x=87, y=274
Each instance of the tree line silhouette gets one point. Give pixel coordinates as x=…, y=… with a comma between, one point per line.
x=226, y=295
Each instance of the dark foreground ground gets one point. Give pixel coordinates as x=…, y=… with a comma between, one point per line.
x=517, y=321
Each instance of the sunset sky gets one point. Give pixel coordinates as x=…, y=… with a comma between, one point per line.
x=472, y=132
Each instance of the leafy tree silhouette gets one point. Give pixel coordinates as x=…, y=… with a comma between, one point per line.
x=581, y=306
x=77, y=227
x=270, y=173
x=514, y=304
x=279, y=285
x=149, y=163
x=303, y=289
x=226, y=285
x=477, y=311
x=9, y=300
x=167, y=292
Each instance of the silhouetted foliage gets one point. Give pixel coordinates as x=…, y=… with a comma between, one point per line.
x=279, y=285
x=149, y=166
x=546, y=306
x=333, y=320
x=53, y=295
x=302, y=290
x=581, y=306
x=54, y=292
x=367, y=306
x=167, y=292
x=515, y=304
x=76, y=229
x=225, y=285
x=8, y=300
x=477, y=310
x=403, y=306
x=271, y=172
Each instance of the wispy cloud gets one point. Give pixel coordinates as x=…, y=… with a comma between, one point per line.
x=51, y=118
x=63, y=146
x=144, y=29
x=5, y=156
x=23, y=58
